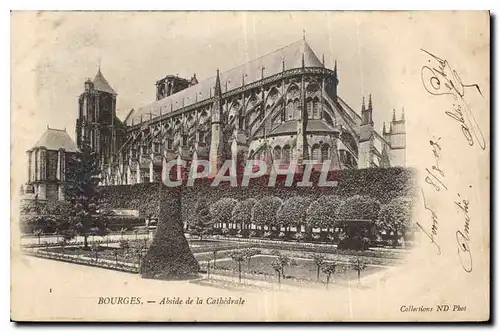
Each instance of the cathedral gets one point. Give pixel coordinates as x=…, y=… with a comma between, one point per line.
x=282, y=107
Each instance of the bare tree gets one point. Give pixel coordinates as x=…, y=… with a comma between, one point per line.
x=238, y=256
x=329, y=268
x=359, y=265
x=319, y=260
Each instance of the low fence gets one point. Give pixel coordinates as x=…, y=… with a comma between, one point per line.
x=106, y=264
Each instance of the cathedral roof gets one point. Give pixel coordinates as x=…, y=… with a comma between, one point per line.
x=55, y=139
x=288, y=57
x=290, y=126
x=101, y=84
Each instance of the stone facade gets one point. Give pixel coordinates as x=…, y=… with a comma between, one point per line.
x=47, y=165
x=281, y=107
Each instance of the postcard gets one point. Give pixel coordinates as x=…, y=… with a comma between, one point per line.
x=250, y=166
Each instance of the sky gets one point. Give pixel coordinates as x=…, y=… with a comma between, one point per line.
x=52, y=54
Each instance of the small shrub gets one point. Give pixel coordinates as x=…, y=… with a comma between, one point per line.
x=225, y=232
x=282, y=236
x=267, y=235
x=275, y=252
x=331, y=238
x=253, y=233
x=124, y=244
x=243, y=233
x=299, y=236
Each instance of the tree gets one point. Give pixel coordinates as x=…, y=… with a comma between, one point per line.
x=293, y=212
x=283, y=260
x=238, y=256
x=328, y=268
x=95, y=249
x=242, y=212
x=364, y=211
x=278, y=268
x=359, y=265
x=83, y=193
x=319, y=260
x=322, y=212
x=214, y=253
x=249, y=253
x=38, y=233
x=395, y=217
x=264, y=212
x=222, y=210
x=359, y=207
x=202, y=221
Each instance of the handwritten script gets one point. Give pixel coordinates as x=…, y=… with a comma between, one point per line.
x=440, y=79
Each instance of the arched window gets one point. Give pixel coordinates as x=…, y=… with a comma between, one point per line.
x=286, y=154
x=315, y=108
x=296, y=108
x=289, y=111
x=315, y=153
x=325, y=152
x=277, y=153
x=328, y=119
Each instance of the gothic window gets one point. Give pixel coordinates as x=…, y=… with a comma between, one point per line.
x=315, y=108
x=293, y=92
x=201, y=136
x=277, y=153
x=315, y=152
x=156, y=147
x=328, y=119
x=296, y=108
x=343, y=156
x=184, y=140
x=289, y=110
x=170, y=143
x=325, y=152
x=286, y=154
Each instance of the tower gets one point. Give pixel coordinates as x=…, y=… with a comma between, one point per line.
x=95, y=124
x=398, y=140
x=366, y=137
x=216, y=143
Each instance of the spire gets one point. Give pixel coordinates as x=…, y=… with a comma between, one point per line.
x=370, y=101
x=403, y=114
x=283, y=64
x=393, y=114
x=323, y=59
x=335, y=66
x=218, y=90
x=303, y=61
x=363, y=108
x=383, y=129
x=101, y=84
x=304, y=34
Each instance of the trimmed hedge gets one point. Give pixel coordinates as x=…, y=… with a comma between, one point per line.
x=144, y=197
x=169, y=256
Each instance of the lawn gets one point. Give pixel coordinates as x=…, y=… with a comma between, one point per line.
x=299, y=269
